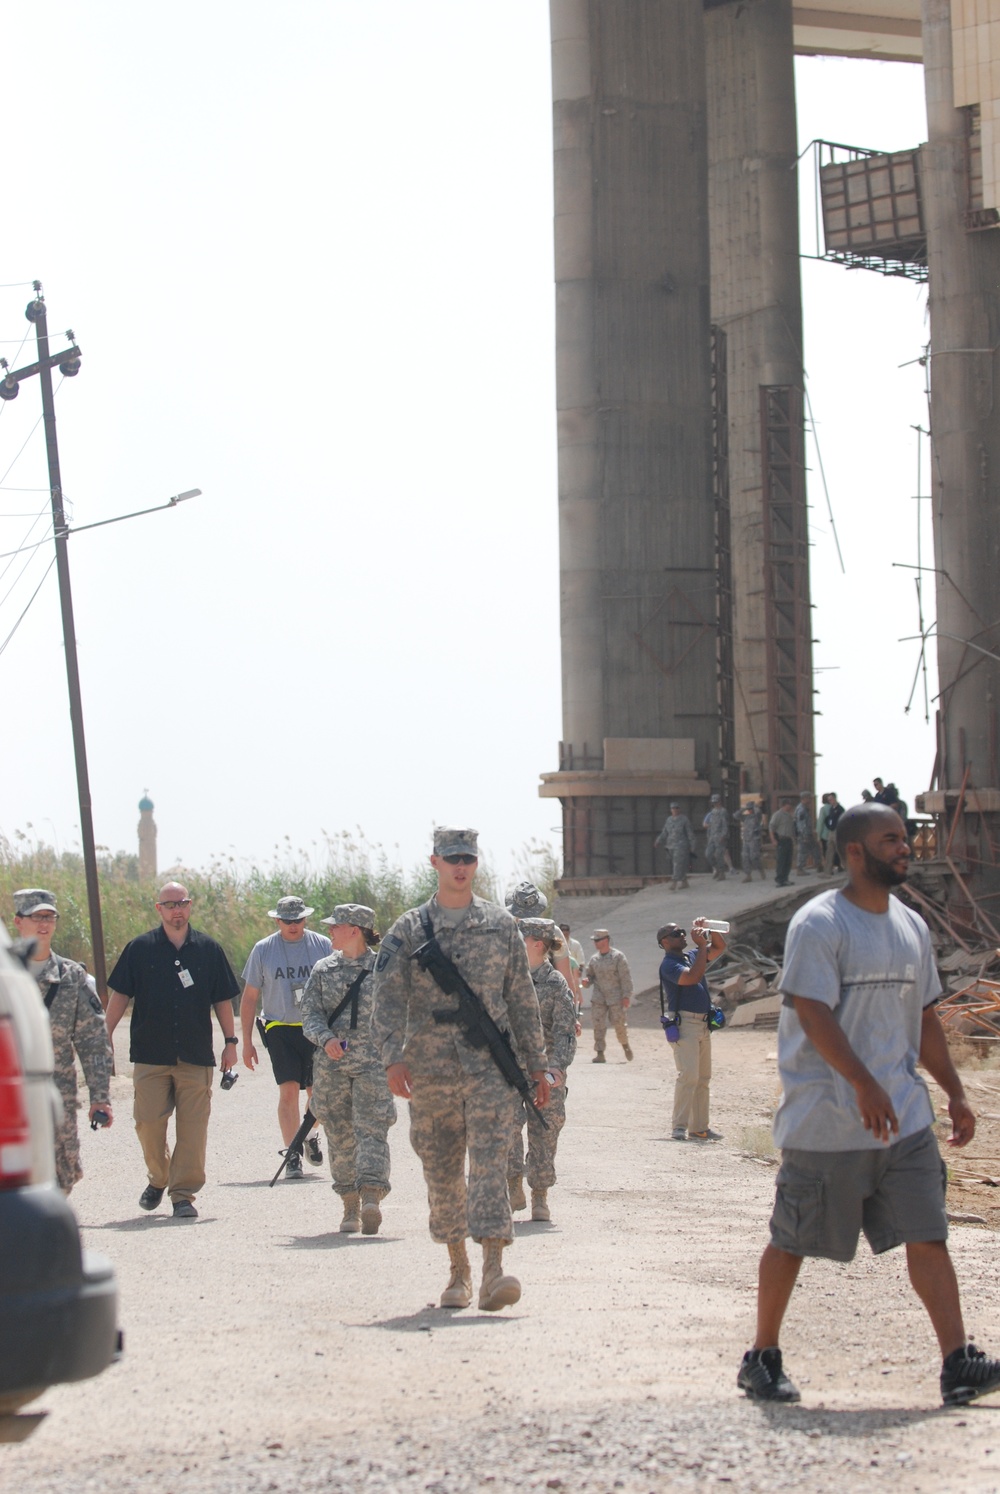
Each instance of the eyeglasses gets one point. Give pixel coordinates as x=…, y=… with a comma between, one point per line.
x=460, y=860
x=41, y=917
x=176, y=902
x=288, y=920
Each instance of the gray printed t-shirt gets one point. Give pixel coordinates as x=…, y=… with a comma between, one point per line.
x=876, y=972
x=279, y=968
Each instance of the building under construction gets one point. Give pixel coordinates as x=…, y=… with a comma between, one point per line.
x=686, y=633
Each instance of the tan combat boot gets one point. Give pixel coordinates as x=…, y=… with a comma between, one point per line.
x=351, y=1222
x=458, y=1292
x=515, y=1190
x=371, y=1214
x=497, y=1290
x=540, y=1204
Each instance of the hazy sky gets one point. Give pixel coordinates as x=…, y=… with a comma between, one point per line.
x=307, y=252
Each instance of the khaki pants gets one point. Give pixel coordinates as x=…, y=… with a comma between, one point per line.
x=160, y=1090
x=693, y=1057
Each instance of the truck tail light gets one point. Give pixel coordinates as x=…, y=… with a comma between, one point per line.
x=15, y=1138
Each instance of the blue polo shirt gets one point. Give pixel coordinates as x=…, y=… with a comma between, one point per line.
x=678, y=998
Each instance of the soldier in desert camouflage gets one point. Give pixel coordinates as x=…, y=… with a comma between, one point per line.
x=460, y=1105
x=350, y=1094
x=77, y=1020
x=558, y=1013
x=607, y=971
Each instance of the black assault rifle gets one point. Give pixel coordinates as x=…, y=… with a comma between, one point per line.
x=296, y=1145
x=472, y=1016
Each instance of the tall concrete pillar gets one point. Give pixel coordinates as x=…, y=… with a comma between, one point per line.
x=964, y=286
x=640, y=713
x=757, y=300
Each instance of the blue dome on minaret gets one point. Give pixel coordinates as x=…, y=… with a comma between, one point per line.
x=145, y=802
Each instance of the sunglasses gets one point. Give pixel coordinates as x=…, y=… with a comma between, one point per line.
x=288, y=920
x=675, y=934
x=176, y=902
x=460, y=860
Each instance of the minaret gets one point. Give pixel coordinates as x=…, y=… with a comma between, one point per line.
x=147, y=840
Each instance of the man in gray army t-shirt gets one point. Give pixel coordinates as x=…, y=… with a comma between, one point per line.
x=855, y=1119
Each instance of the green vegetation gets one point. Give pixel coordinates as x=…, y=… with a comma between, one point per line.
x=232, y=900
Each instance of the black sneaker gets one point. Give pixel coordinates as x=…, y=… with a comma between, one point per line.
x=966, y=1374
x=150, y=1197
x=762, y=1377
x=314, y=1151
x=294, y=1168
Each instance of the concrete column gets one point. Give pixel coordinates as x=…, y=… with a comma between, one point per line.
x=756, y=298
x=633, y=378
x=965, y=425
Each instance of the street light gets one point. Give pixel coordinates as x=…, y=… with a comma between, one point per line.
x=68, y=362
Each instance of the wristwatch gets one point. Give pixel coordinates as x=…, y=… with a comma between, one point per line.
x=231, y=1040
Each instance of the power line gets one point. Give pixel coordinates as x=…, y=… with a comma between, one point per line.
x=30, y=600
x=21, y=572
x=24, y=543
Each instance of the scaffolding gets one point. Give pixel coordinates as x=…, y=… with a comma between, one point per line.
x=790, y=756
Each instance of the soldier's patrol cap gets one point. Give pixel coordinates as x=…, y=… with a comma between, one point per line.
x=451, y=842
x=600, y=934
x=525, y=901
x=34, y=900
x=716, y=798
x=356, y=913
x=674, y=804
x=291, y=909
x=540, y=928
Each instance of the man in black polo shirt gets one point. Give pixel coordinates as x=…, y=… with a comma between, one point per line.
x=175, y=975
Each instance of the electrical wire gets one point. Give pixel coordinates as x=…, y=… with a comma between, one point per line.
x=29, y=602
x=21, y=572
x=13, y=554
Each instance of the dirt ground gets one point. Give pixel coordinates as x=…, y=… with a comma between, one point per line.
x=265, y=1351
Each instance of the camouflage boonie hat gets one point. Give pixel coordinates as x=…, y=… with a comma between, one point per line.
x=600, y=934
x=540, y=928
x=356, y=913
x=525, y=901
x=451, y=842
x=291, y=909
x=34, y=900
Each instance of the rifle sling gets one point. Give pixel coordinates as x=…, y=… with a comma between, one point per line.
x=353, y=993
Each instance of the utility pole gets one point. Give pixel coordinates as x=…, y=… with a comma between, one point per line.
x=69, y=362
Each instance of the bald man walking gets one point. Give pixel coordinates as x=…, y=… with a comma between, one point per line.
x=175, y=975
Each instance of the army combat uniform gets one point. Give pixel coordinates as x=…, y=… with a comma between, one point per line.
x=751, y=823
x=611, y=984
x=678, y=839
x=555, y=1003
x=77, y=1020
x=350, y=1096
x=717, y=828
x=460, y=1102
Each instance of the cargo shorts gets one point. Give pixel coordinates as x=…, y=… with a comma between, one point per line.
x=895, y=1194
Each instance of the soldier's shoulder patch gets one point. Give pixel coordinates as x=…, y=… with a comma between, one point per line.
x=389, y=946
x=95, y=1003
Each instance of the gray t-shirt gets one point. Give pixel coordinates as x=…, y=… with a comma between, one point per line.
x=876, y=972
x=279, y=968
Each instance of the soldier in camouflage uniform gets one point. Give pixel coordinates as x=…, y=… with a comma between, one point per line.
x=751, y=823
x=77, y=1020
x=807, y=846
x=350, y=1095
x=678, y=838
x=716, y=825
x=459, y=1101
x=555, y=1002
x=607, y=971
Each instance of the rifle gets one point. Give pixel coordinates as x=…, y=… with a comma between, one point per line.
x=480, y=1030
x=296, y=1145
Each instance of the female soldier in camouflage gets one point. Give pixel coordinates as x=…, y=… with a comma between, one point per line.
x=350, y=1093
x=555, y=1003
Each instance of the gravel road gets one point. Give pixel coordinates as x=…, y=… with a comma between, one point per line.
x=265, y=1351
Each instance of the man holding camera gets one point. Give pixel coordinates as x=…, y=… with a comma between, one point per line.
x=687, y=1006
x=77, y=1021
x=175, y=975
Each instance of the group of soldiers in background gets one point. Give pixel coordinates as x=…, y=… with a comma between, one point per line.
x=792, y=832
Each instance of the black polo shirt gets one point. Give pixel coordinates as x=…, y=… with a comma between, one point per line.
x=172, y=1016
